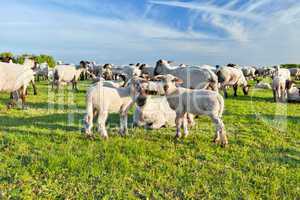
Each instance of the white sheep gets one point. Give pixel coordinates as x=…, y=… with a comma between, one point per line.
x=279, y=88
x=262, y=85
x=15, y=78
x=103, y=100
x=154, y=113
x=66, y=74
x=231, y=76
x=197, y=102
x=293, y=93
x=193, y=77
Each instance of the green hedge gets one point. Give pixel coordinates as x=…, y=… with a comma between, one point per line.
x=290, y=66
x=38, y=58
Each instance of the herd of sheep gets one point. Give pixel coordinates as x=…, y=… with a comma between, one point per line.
x=164, y=94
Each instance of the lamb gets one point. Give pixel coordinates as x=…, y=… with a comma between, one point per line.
x=193, y=77
x=66, y=74
x=293, y=93
x=103, y=100
x=231, y=76
x=154, y=113
x=279, y=88
x=197, y=102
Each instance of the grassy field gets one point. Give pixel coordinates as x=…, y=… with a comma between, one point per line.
x=43, y=154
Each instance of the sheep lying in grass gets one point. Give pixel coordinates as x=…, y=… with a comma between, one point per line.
x=102, y=100
x=197, y=102
x=262, y=85
x=66, y=74
x=293, y=93
x=154, y=113
x=193, y=77
x=231, y=76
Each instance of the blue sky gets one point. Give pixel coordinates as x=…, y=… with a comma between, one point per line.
x=126, y=31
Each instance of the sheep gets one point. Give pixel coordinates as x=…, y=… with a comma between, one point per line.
x=249, y=72
x=279, y=88
x=193, y=77
x=154, y=113
x=66, y=74
x=295, y=72
x=262, y=85
x=104, y=100
x=285, y=73
x=15, y=78
x=197, y=102
x=231, y=76
x=293, y=93
x=129, y=71
x=42, y=71
x=107, y=72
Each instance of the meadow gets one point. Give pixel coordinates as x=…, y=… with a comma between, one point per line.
x=44, y=155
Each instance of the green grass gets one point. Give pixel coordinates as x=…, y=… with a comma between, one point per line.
x=43, y=154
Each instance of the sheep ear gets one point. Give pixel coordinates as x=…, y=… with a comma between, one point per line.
x=178, y=80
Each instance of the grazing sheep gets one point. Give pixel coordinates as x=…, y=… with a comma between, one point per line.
x=66, y=74
x=197, y=102
x=103, y=100
x=193, y=77
x=293, y=93
x=231, y=76
x=15, y=78
x=154, y=113
x=279, y=88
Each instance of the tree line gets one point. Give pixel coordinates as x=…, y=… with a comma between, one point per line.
x=38, y=58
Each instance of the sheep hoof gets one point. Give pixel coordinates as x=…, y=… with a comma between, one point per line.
x=224, y=145
x=216, y=141
x=90, y=136
x=105, y=137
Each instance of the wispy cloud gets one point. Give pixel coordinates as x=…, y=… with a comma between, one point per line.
x=207, y=8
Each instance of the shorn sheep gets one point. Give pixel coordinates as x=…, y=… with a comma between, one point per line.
x=193, y=77
x=231, y=76
x=197, y=102
x=154, y=113
x=101, y=100
x=15, y=78
x=66, y=74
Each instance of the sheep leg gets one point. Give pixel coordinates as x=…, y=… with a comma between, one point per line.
x=225, y=92
x=102, y=117
x=220, y=131
x=185, y=126
x=275, y=95
x=235, y=87
x=34, y=88
x=124, y=117
x=178, y=122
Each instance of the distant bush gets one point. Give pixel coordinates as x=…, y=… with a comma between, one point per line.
x=38, y=58
x=290, y=66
